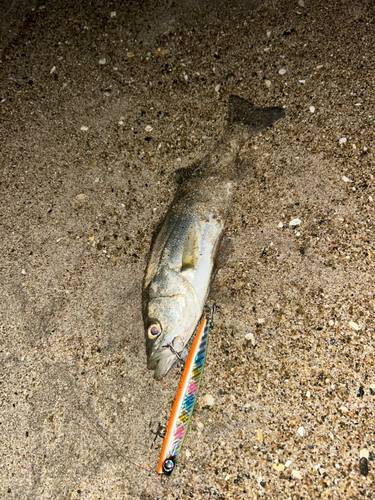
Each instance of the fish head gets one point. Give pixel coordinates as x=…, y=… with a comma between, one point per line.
x=171, y=311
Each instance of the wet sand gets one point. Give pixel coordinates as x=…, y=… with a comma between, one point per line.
x=100, y=105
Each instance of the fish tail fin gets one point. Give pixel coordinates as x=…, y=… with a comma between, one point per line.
x=242, y=111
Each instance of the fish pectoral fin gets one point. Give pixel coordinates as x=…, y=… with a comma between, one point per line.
x=190, y=253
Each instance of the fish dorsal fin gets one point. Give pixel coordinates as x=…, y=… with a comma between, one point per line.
x=190, y=253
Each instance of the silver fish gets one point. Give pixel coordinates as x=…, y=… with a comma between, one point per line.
x=182, y=257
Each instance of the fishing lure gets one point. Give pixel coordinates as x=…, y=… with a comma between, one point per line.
x=186, y=396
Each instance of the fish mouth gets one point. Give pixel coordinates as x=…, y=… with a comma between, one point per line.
x=161, y=362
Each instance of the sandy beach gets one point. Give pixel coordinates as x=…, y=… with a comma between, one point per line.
x=100, y=104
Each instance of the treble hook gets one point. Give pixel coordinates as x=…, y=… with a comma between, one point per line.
x=210, y=315
x=170, y=346
x=210, y=312
x=160, y=432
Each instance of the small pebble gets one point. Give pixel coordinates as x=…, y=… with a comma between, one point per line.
x=81, y=196
x=295, y=222
x=260, y=321
x=363, y=466
x=354, y=326
x=308, y=394
x=346, y=179
x=331, y=322
x=301, y=3
x=129, y=55
x=364, y=453
x=53, y=69
x=113, y=14
x=332, y=341
x=148, y=128
x=282, y=71
x=342, y=140
x=208, y=400
x=250, y=336
x=163, y=52
x=301, y=431
x=312, y=109
x=268, y=83
x=288, y=463
x=269, y=33
x=259, y=436
x=218, y=87
x=302, y=81
x=84, y=128
x=280, y=225
x=23, y=271
x=279, y=467
x=370, y=198
x=343, y=409
x=102, y=61
x=361, y=393
x=187, y=453
x=296, y=474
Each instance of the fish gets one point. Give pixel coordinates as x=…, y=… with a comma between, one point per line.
x=185, y=246
x=184, y=401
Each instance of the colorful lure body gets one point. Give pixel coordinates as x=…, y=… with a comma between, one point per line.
x=186, y=396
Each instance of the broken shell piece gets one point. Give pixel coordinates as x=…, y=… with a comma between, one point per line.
x=208, y=400
x=295, y=222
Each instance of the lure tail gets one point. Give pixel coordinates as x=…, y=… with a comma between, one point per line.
x=184, y=402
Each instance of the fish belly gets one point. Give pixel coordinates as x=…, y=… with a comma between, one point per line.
x=209, y=230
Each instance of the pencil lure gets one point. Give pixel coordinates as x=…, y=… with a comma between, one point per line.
x=184, y=402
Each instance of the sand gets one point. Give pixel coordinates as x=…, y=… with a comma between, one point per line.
x=100, y=104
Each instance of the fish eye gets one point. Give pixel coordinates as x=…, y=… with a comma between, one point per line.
x=154, y=330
